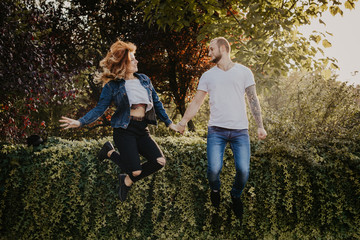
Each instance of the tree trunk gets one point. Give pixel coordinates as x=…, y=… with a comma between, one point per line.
x=191, y=126
x=182, y=109
x=179, y=100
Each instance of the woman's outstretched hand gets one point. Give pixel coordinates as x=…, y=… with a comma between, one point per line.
x=69, y=123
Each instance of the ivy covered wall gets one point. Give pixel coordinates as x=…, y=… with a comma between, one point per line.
x=61, y=191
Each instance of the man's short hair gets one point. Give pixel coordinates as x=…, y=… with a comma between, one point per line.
x=221, y=41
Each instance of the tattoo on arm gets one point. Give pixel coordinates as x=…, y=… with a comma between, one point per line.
x=254, y=105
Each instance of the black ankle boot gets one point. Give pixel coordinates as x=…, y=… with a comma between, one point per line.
x=215, y=198
x=237, y=207
x=123, y=191
x=104, y=150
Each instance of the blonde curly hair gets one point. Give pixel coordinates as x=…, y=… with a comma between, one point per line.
x=115, y=63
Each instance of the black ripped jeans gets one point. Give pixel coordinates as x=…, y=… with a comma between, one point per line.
x=133, y=142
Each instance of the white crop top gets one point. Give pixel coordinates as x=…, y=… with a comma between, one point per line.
x=137, y=93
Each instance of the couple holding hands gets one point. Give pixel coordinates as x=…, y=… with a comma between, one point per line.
x=137, y=105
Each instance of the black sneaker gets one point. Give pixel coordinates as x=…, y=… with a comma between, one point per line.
x=123, y=191
x=215, y=198
x=104, y=150
x=237, y=207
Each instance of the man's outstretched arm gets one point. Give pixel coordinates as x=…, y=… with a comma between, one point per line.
x=256, y=110
x=191, y=110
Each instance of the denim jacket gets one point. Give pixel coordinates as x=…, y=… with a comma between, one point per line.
x=114, y=91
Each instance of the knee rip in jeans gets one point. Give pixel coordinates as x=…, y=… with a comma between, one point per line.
x=136, y=173
x=161, y=161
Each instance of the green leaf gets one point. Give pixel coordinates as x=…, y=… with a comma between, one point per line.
x=335, y=10
x=326, y=74
x=334, y=66
x=322, y=22
x=326, y=43
x=349, y=5
x=316, y=38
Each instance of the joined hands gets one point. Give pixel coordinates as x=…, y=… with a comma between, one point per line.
x=179, y=128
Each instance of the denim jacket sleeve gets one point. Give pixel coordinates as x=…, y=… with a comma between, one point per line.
x=102, y=105
x=159, y=108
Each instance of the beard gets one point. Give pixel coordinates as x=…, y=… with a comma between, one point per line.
x=216, y=59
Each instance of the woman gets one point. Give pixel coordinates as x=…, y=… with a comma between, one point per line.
x=137, y=104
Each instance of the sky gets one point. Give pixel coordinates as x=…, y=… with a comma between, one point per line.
x=345, y=41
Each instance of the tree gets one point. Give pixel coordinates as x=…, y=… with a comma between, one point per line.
x=263, y=34
x=33, y=70
x=307, y=109
x=177, y=61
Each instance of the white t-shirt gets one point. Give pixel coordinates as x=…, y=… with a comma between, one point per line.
x=226, y=91
x=137, y=93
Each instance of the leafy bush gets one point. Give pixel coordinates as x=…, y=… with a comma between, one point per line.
x=60, y=190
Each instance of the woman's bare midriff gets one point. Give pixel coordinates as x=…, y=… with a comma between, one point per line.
x=138, y=111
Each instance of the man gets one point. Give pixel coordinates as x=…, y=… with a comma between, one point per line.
x=226, y=83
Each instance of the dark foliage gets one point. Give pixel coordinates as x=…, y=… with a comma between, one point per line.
x=35, y=67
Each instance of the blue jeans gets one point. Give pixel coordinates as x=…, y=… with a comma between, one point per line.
x=240, y=145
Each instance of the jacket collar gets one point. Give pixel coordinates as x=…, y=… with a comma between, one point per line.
x=141, y=77
x=138, y=75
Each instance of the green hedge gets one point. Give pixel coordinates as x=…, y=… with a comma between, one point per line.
x=61, y=191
